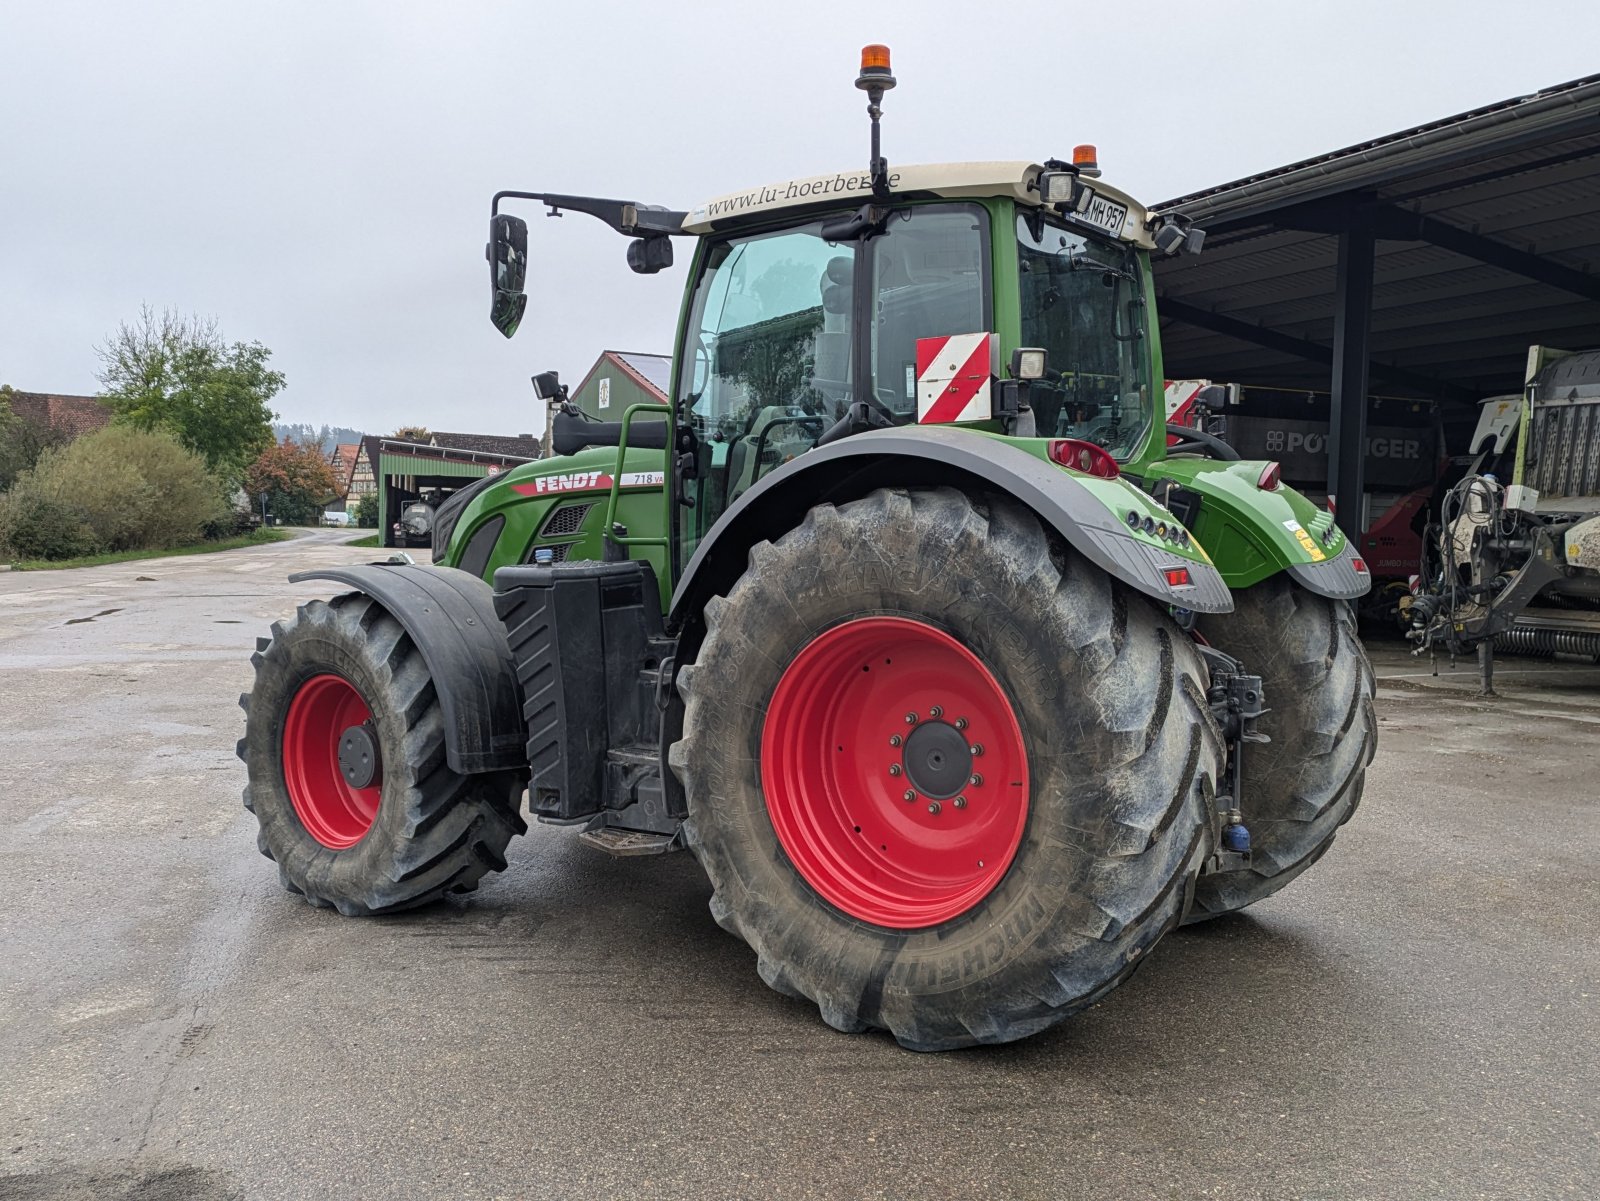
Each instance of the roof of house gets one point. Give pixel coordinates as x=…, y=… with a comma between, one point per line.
x=71, y=415
x=656, y=369
x=519, y=446
x=652, y=372
x=344, y=461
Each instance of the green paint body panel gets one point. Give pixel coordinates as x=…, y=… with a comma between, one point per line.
x=1250, y=532
x=642, y=510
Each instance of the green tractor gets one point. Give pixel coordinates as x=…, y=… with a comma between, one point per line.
x=963, y=678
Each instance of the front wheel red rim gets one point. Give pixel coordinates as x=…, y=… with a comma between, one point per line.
x=334, y=812
x=894, y=772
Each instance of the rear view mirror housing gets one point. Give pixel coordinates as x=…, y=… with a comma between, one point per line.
x=507, y=253
x=646, y=256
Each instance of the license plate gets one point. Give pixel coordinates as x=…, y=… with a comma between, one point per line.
x=1103, y=213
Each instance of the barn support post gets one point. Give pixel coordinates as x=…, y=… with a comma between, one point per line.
x=1352, y=330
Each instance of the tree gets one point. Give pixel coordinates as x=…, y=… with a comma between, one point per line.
x=412, y=433
x=177, y=373
x=367, y=511
x=298, y=481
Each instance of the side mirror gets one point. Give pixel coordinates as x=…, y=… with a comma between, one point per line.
x=547, y=386
x=507, y=253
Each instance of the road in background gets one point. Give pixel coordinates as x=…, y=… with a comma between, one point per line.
x=1417, y=1018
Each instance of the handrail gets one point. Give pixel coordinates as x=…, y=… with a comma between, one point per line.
x=616, y=480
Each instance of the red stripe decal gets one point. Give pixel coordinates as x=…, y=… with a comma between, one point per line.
x=973, y=375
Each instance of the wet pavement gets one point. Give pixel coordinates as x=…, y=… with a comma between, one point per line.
x=1418, y=1017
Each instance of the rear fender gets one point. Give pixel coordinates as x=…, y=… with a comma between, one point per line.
x=1090, y=514
x=450, y=615
x=1253, y=532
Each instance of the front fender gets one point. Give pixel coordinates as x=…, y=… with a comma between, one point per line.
x=1090, y=514
x=1253, y=533
x=450, y=615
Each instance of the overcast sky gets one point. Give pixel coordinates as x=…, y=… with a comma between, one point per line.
x=316, y=175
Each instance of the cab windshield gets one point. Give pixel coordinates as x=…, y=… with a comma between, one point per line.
x=1083, y=302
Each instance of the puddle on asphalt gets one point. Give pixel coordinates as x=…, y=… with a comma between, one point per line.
x=78, y=621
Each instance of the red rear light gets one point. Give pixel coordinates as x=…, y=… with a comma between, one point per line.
x=1177, y=577
x=1269, y=479
x=1085, y=457
x=1359, y=564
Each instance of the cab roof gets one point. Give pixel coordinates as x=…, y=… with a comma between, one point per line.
x=1017, y=179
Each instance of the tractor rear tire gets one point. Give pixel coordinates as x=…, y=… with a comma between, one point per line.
x=879, y=864
x=1306, y=783
x=416, y=831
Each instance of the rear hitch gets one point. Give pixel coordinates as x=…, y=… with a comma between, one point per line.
x=1237, y=701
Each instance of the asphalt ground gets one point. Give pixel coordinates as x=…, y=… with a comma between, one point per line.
x=1416, y=1018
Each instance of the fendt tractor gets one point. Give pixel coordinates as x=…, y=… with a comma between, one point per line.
x=1514, y=558
x=960, y=683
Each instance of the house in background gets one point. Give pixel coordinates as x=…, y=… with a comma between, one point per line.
x=343, y=461
x=620, y=378
x=61, y=415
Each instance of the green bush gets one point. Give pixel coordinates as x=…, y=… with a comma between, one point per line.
x=367, y=511
x=129, y=489
x=35, y=527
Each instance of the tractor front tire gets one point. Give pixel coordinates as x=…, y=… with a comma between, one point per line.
x=343, y=678
x=947, y=778
x=1306, y=783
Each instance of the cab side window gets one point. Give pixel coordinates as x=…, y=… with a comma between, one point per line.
x=929, y=279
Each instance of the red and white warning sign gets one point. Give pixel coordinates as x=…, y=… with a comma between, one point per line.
x=953, y=378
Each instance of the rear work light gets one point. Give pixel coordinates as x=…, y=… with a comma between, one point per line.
x=1177, y=577
x=1269, y=479
x=1085, y=457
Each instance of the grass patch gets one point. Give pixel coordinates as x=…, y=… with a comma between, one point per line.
x=257, y=537
x=369, y=540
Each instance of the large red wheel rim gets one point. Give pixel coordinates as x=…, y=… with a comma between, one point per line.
x=333, y=811
x=894, y=772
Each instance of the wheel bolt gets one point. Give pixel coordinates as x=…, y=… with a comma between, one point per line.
x=936, y=711
x=909, y=794
x=977, y=780
x=933, y=808
x=894, y=769
x=960, y=802
x=977, y=749
x=961, y=723
x=911, y=719
x=894, y=740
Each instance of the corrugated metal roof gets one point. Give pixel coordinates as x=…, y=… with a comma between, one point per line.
x=1524, y=175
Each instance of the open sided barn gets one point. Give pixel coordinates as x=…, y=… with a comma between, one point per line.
x=1419, y=265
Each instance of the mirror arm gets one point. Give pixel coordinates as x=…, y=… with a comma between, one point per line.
x=625, y=216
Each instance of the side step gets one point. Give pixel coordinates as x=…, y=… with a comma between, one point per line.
x=625, y=843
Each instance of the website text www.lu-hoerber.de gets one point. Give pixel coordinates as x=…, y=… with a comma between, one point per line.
x=797, y=189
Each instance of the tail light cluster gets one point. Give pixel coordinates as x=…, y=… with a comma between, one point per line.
x=1085, y=457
